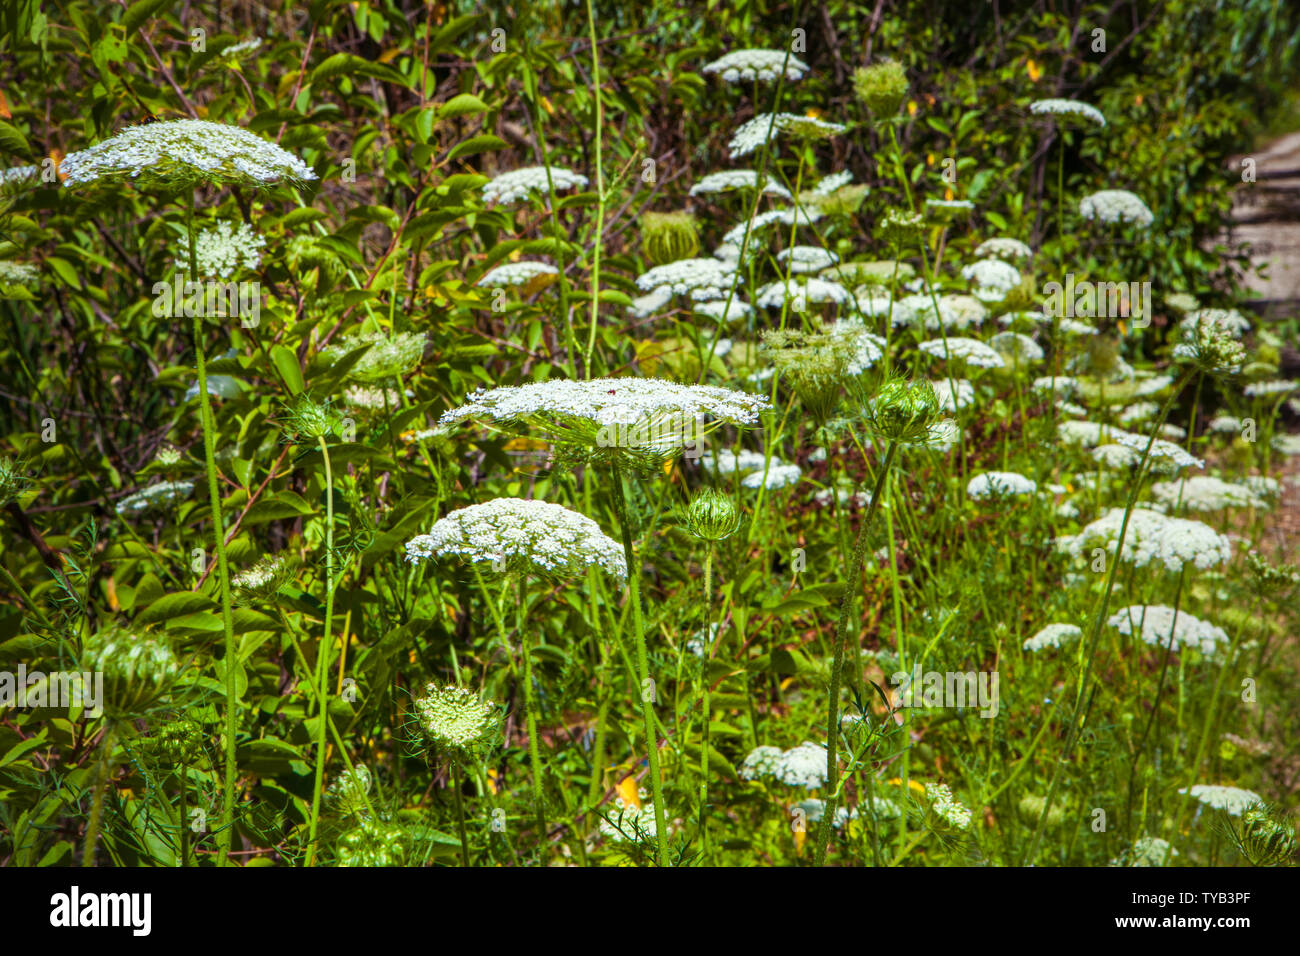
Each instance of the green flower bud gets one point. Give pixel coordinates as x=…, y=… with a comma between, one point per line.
x=307, y=421
x=900, y=229
x=712, y=515
x=669, y=236
x=374, y=844
x=178, y=741
x=1030, y=809
x=1267, y=837
x=881, y=87
x=906, y=412
x=138, y=670
x=349, y=792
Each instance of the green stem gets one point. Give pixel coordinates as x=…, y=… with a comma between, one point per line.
x=323, y=657
x=534, y=744
x=643, y=668
x=600, y=188
x=851, y=586
x=707, y=708
x=97, y=804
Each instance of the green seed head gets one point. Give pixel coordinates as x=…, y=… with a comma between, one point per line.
x=178, y=741
x=669, y=236
x=905, y=412
x=881, y=87
x=1267, y=837
x=712, y=515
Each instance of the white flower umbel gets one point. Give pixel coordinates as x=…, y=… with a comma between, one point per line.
x=803, y=766
x=1017, y=349
x=868, y=348
x=774, y=295
x=778, y=475
x=1225, y=425
x=516, y=273
x=746, y=66
x=1088, y=434
x=946, y=807
x=807, y=258
x=1151, y=538
x=1116, y=206
x=665, y=416
x=1116, y=456
x=1205, y=493
x=454, y=721
x=1000, y=484
x=626, y=821
x=1053, y=635
x=1276, y=387
x=386, y=358
x=1008, y=250
x=1230, y=320
x=802, y=215
x=733, y=179
x=710, y=277
x=943, y=390
x=1060, y=385
x=724, y=311
x=1156, y=625
x=762, y=128
x=971, y=351
x=1068, y=108
x=644, y=306
x=222, y=251
x=520, y=183
x=523, y=536
x=175, y=153
x=761, y=762
x=1153, y=385
x=992, y=279
x=1232, y=800
x=1163, y=453
x=831, y=183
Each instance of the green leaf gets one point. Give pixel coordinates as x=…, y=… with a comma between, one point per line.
x=12, y=140
x=137, y=13
x=462, y=105
x=286, y=362
x=175, y=605
x=22, y=747
x=342, y=64
x=477, y=144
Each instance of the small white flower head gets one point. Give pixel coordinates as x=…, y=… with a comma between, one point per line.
x=1059, y=385
x=778, y=475
x=956, y=312
x=599, y=419
x=644, y=306
x=807, y=258
x=1225, y=425
x=1116, y=206
x=1068, y=109
x=765, y=66
x=1087, y=434
x=835, y=181
x=944, y=808
x=1205, y=493
x=1211, y=347
x=1230, y=320
x=628, y=822
x=19, y=175
x=516, y=273
x=736, y=179
x=999, y=484
x=723, y=310
x=222, y=251
x=1152, y=539
x=1163, y=454
x=1153, y=385
x=18, y=273
x=1286, y=444
x=814, y=809
x=761, y=762
x=946, y=210
x=263, y=580
x=943, y=390
x=803, y=766
x=1017, y=349
x=1006, y=249
x=386, y=357
x=1157, y=625
x=971, y=351
x=763, y=128
x=868, y=348
x=1075, y=327
x=774, y=295
x=993, y=279
x=1263, y=389
x=1146, y=851
x=523, y=536
x=702, y=278
x=456, y=723
x=242, y=48
x=364, y=398
x=1116, y=456
x=1053, y=635
x=789, y=216
x=155, y=499
x=178, y=154
x=521, y=183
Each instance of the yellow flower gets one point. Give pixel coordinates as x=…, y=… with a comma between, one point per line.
x=1034, y=72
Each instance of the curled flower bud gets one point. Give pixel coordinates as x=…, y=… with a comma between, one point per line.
x=669, y=236
x=1267, y=837
x=349, y=793
x=906, y=412
x=138, y=670
x=712, y=515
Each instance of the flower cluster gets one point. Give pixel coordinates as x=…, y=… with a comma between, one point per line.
x=945, y=808
x=155, y=498
x=1152, y=538
x=516, y=273
x=222, y=251
x=1161, y=626
x=759, y=131
x=520, y=183
x=746, y=66
x=701, y=278
x=1231, y=800
x=1000, y=484
x=971, y=351
x=1006, y=249
x=1116, y=206
x=731, y=179
x=1053, y=635
x=455, y=722
x=1068, y=108
x=1205, y=493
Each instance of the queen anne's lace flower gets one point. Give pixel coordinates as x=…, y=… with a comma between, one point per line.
x=993, y=279
x=1000, y=484
x=524, y=535
x=1205, y=493
x=1008, y=250
x=1228, y=319
x=455, y=721
x=762, y=128
x=1152, y=538
x=801, y=215
x=807, y=258
x=1225, y=425
x=708, y=276
x=1232, y=800
x=1053, y=635
x=1064, y=107
x=971, y=351
x=957, y=312
x=519, y=183
x=762, y=761
x=1116, y=456
x=1017, y=348
x=1168, y=454
x=1146, y=851
x=730, y=179
x=1088, y=434
x=222, y=251
x=868, y=348
x=1060, y=385
x=177, y=152
x=943, y=390
x=831, y=183
x=644, y=306
x=946, y=807
x=1116, y=206
x=629, y=822
x=1156, y=625
x=1278, y=387
x=775, y=294
x=746, y=66
x=516, y=273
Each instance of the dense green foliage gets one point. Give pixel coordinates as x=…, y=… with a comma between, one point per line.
x=325, y=451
